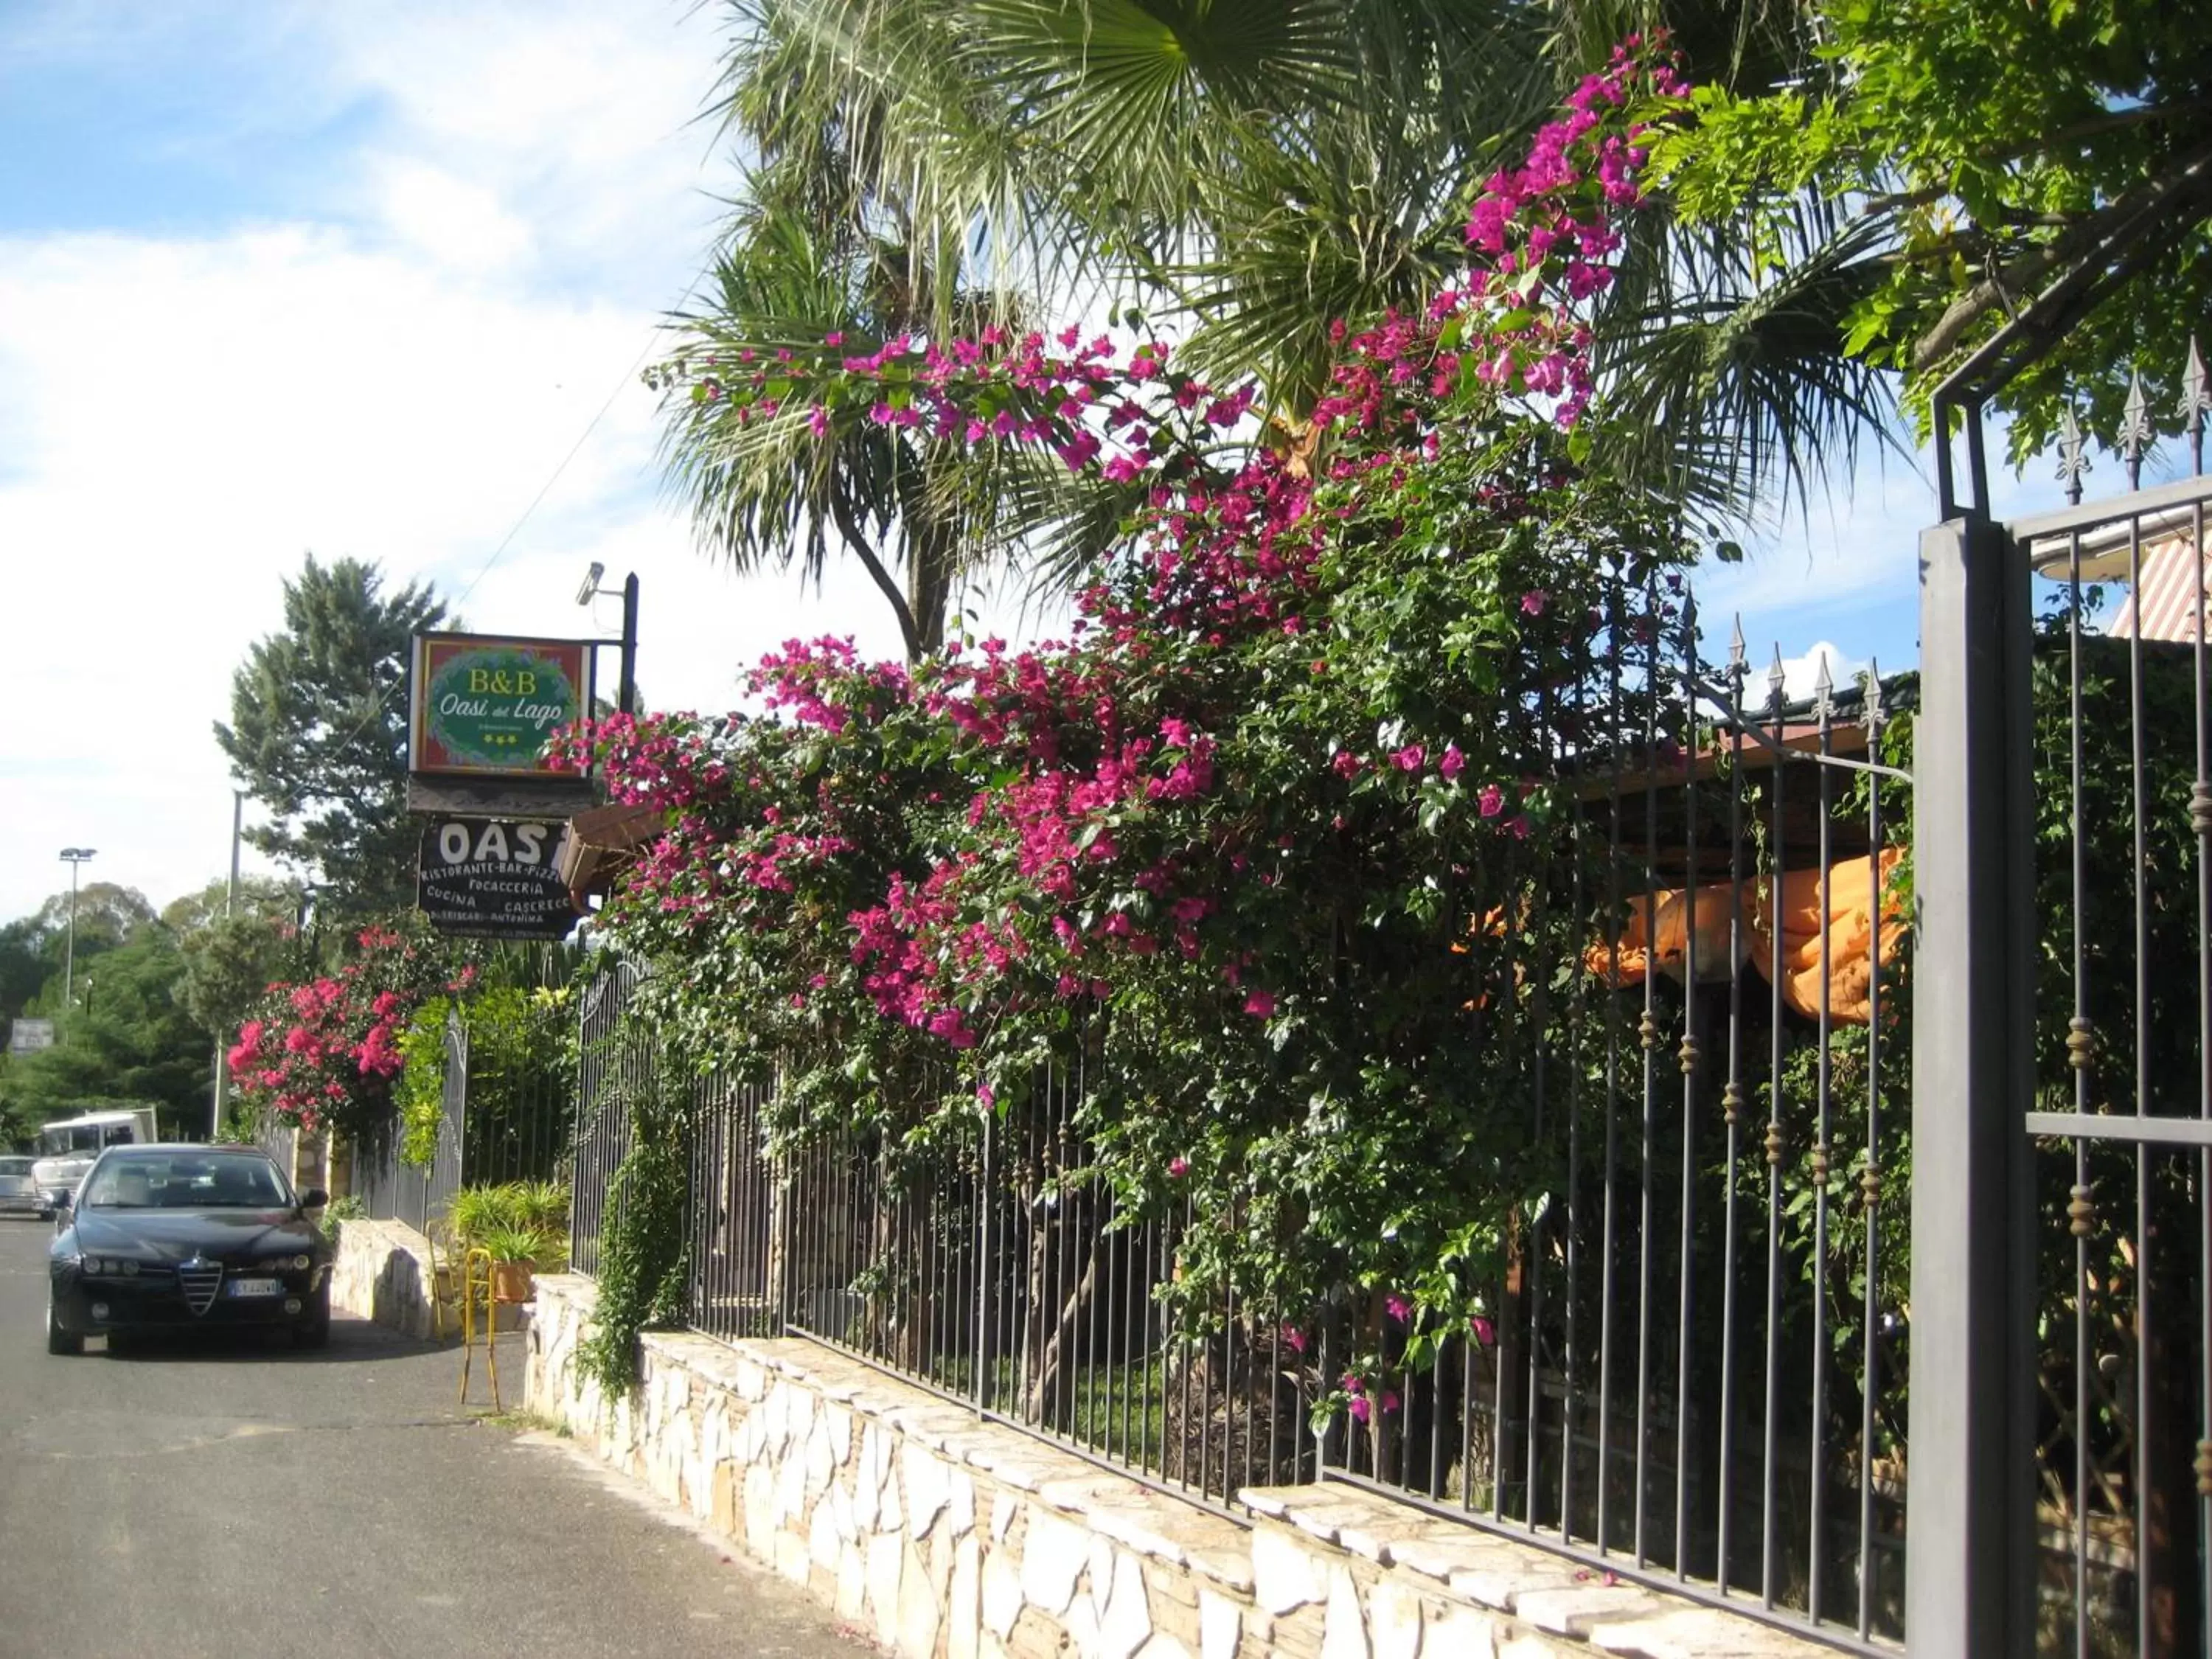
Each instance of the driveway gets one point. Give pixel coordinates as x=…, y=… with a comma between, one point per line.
x=197, y=1498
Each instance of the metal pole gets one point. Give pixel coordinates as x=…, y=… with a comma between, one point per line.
x=1970, y=1563
x=69, y=952
x=229, y=909
x=629, y=693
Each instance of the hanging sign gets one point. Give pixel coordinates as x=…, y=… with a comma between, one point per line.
x=485, y=705
x=28, y=1036
x=494, y=879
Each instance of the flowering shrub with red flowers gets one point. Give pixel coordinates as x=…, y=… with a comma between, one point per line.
x=323, y=1053
x=1226, y=840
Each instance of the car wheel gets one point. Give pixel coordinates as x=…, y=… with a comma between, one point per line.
x=59, y=1340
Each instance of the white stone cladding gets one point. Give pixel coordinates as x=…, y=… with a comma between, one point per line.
x=945, y=1537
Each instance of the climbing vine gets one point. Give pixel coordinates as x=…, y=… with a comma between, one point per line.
x=419, y=1093
x=643, y=1243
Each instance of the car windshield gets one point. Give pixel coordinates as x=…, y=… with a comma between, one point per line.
x=184, y=1181
x=17, y=1166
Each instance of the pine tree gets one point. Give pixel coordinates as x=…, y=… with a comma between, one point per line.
x=318, y=734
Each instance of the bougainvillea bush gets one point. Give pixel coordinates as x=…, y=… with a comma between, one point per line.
x=325, y=1053
x=1260, y=838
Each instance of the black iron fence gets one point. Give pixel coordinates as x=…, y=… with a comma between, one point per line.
x=614, y=1065
x=491, y=1128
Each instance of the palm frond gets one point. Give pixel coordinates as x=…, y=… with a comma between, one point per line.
x=1727, y=372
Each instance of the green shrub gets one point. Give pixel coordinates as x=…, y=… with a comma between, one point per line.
x=340, y=1210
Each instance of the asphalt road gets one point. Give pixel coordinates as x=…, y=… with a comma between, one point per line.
x=203, y=1498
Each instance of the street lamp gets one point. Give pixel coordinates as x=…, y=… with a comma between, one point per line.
x=74, y=857
x=627, y=699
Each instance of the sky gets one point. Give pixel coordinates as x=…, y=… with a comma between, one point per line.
x=377, y=280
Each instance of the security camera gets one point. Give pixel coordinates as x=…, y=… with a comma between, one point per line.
x=590, y=582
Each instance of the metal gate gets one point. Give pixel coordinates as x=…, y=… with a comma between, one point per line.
x=2061, y=1402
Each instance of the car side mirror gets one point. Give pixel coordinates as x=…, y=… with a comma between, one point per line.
x=313, y=1199
x=63, y=1201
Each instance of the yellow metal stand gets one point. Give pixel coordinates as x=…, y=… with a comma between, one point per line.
x=472, y=1281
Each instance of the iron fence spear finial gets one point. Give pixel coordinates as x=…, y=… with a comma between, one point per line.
x=2135, y=429
x=2195, y=400
x=1824, y=693
x=2073, y=455
x=1775, y=680
x=1874, y=711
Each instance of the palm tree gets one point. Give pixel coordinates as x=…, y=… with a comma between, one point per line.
x=827, y=242
x=1248, y=172
x=914, y=511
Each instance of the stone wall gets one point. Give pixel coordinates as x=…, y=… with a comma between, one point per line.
x=951, y=1538
x=383, y=1273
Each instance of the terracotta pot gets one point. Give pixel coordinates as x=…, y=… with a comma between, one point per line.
x=512, y=1281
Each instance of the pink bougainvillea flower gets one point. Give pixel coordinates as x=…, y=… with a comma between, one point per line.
x=1294, y=1339
x=1398, y=1307
x=1409, y=758
x=1346, y=763
x=984, y=1095
x=1492, y=801
x=1453, y=762
x=1485, y=1332
x=1260, y=1004
x=1534, y=601
x=1178, y=1167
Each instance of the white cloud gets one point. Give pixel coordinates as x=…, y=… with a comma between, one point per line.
x=449, y=219
x=394, y=376
x=578, y=116
x=1801, y=673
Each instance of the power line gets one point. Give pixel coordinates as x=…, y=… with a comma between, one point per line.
x=583, y=438
x=515, y=529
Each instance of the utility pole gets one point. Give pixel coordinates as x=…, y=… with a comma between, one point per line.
x=74, y=857
x=229, y=909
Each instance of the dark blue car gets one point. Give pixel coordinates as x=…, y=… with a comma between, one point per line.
x=187, y=1238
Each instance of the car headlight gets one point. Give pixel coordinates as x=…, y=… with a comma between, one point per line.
x=107, y=1266
x=288, y=1264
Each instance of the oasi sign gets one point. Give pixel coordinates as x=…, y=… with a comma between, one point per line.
x=486, y=705
x=494, y=879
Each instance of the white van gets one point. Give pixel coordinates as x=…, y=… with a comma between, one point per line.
x=67, y=1145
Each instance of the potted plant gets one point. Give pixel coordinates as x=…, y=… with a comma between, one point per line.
x=514, y=1253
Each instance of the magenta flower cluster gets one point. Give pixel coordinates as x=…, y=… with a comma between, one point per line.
x=1084, y=751
x=327, y=1050
x=1242, y=820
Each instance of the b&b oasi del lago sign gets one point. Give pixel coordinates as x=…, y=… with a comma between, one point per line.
x=494, y=879
x=486, y=706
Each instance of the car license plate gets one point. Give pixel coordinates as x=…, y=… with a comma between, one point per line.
x=256, y=1287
